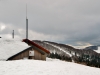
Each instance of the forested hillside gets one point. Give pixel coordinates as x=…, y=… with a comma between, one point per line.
x=69, y=53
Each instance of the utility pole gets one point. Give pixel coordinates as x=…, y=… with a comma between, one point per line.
x=26, y=24
x=13, y=34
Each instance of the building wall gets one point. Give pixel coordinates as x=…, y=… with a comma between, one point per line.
x=21, y=55
x=25, y=54
x=43, y=57
x=39, y=56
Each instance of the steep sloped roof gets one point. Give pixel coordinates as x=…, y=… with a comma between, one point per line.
x=10, y=47
x=34, y=44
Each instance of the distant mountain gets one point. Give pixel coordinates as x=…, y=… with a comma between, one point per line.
x=92, y=48
x=69, y=53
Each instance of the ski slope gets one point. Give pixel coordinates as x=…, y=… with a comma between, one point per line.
x=59, y=48
x=49, y=67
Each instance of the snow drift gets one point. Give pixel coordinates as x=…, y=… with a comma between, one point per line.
x=49, y=67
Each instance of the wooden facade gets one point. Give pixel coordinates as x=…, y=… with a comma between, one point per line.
x=34, y=52
x=38, y=54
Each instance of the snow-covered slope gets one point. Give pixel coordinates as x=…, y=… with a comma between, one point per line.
x=59, y=49
x=10, y=47
x=49, y=67
x=98, y=51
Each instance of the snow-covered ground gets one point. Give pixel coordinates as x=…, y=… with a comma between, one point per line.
x=36, y=67
x=49, y=67
x=59, y=49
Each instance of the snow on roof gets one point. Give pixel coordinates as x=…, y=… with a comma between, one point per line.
x=10, y=47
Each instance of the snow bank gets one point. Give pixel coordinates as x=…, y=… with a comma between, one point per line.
x=49, y=67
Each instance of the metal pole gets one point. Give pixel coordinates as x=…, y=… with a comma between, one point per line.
x=26, y=24
x=26, y=28
x=13, y=34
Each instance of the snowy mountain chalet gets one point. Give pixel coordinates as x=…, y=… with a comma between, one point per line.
x=36, y=52
x=16, y=50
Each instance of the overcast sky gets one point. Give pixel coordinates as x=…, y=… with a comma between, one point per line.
x=75, y=22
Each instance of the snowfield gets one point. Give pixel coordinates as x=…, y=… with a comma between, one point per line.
x=49, y=67
x=9, y=48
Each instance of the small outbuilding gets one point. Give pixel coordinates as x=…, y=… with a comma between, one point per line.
x=36, y=52
x=33, y=52
x=16, y=50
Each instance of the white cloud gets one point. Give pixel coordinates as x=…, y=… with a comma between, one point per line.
x=33, y=35
x=66, y=21
x=2, y=26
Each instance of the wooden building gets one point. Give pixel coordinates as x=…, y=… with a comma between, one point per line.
x=34, y=52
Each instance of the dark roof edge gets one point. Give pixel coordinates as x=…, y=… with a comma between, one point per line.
x=18, y=53
x=34, y=44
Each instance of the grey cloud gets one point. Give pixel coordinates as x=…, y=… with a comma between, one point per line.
x=71, y=20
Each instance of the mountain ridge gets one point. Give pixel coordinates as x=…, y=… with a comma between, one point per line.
x=69, y=53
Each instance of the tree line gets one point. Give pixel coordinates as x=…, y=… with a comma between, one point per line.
x=89, y=60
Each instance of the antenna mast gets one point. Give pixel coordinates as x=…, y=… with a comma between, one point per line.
x=26, y=24
x=13, y=34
